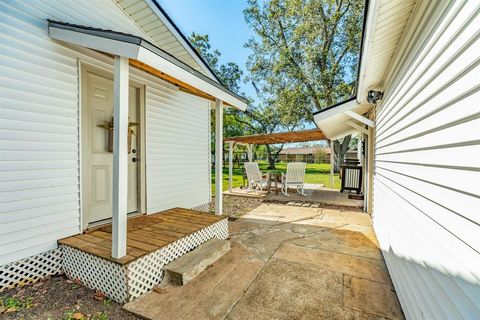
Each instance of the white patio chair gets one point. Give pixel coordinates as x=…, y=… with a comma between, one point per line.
x=255, y=176
x=294, y=177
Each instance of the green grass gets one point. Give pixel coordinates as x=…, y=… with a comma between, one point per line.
x=315, y=173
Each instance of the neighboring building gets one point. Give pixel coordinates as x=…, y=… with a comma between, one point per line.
x=310, y=155
x=423, y=149
x=57, y=102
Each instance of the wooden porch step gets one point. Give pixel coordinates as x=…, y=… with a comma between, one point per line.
x=188, y=266
x=145, y=234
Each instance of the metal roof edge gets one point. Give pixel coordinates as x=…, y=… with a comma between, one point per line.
x=335, y=105
x=362, y=46
x=185, y=39
x=136, y=40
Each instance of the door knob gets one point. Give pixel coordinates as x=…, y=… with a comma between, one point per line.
x=134, y=159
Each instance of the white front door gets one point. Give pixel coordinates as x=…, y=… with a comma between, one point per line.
x=97, y=159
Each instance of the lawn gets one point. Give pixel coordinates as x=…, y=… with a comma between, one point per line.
x=315, y=173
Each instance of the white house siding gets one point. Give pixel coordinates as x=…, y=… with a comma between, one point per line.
x=427, y=164
x=177, y=144
x=39, y=122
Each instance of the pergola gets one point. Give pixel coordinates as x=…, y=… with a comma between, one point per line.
x=272, y=138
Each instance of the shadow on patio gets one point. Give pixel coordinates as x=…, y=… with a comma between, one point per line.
x=287, y=263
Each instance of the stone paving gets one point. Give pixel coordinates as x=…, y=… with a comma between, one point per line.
x=287, y=262
x=315, y=194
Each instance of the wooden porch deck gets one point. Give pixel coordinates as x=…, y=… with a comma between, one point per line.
x=145, y=234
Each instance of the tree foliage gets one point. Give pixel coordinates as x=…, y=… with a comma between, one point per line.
x=304, y=58
x=305, y=52
x=229, y=74
x=268, y=115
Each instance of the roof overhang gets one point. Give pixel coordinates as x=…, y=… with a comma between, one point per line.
x=147, y=56
x=384, y=26
x=172, y=27
x=342, y=119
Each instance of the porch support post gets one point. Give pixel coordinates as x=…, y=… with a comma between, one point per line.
x=218, y=156
x=120, y=158
x=230, y=165
x=332, y=160
x=370, y=167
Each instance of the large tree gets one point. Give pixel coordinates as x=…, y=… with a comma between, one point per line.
x=268, y=115
x=306, y=51
x=229, y=74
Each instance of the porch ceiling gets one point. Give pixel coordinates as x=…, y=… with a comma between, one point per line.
x=156, y=23
x=148, y=57
x=280, y=137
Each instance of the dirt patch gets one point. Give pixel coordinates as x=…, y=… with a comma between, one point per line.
x=236, y=206
x=59, y=298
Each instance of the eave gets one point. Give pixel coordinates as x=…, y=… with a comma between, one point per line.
x=144, y=55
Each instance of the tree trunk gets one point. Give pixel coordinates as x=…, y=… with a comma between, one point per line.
x=271, y=158
x=340, y=149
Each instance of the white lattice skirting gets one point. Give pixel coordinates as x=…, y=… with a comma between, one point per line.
x=31, y=269
x=203, y=207
x=127, y=282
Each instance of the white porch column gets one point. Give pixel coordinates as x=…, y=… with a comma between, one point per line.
x=120, y=158
x=218, y=156
x=230, y=165
x=370, y=167
x=332, y=160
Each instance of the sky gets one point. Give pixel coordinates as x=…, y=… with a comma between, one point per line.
x=224, y=23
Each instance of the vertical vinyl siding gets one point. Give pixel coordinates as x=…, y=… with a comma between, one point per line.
x=178, y=149
x=427, y=165
x=39, y=122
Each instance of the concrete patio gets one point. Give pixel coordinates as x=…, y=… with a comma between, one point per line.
x=286, y=263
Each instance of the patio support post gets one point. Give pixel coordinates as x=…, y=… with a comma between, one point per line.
x=218, y=156
x=332, y=160
x=250, y=152
x=230, y=165
x=120, y=158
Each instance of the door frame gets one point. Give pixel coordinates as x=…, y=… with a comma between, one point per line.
x=83, y=69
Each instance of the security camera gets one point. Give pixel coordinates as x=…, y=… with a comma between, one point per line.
x=373, y=96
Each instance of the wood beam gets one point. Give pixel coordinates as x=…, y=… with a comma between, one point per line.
x=360, y=118
x=357, y=126
x=182, y=86
x=280, y=137
x=120, y=158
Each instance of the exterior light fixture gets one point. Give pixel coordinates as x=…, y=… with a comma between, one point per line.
x=373, y=96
